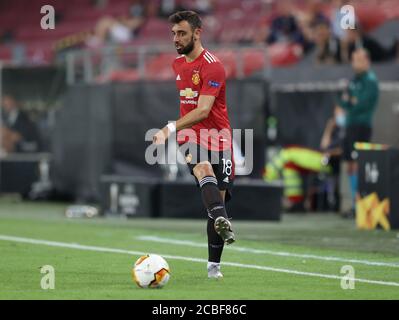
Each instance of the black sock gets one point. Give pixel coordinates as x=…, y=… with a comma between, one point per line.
x=212, y=198
x=214, y=205
x=215, y=243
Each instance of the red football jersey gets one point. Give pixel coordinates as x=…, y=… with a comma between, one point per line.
x=204, y=76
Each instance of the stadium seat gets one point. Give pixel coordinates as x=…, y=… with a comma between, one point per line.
x=254, y=60
x=160, y=67
x=39, y=55
x=229, y=22
x=370, y=16
x=5, y=53
x=225, y=6
x=238, y=30
x=125, y=75
x=8, y=21
x=229, y=60
x=156, y=29
x=284, y=54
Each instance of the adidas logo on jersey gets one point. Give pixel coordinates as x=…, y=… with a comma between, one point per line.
x=209, y=57
x=178, y=77
x=226, y=180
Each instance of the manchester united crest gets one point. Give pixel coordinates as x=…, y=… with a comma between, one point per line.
x=196, y=78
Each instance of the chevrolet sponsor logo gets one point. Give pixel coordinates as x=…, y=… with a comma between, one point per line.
x=188, y=93
x=189, y=102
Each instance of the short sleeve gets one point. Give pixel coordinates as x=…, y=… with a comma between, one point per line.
x=213, y=79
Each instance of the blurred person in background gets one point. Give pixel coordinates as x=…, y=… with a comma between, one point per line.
x=327, y=48
x=167, y=7
x=203, y=7
x=119, y=30
x=355, y=112
x=6, y=36
x=294, y=163
x=284, y=27
x=291, y=164
x=18, y=132
x=308, y=18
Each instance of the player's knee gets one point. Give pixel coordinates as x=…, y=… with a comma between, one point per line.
x=203, y=169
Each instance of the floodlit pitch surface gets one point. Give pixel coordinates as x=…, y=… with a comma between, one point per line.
x=299, y=258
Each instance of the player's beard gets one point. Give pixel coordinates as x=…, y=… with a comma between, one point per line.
x=188, y=48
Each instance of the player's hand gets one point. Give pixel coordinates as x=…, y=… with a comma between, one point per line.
x=161, y=136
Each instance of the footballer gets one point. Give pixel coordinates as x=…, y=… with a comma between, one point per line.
x=203, y=129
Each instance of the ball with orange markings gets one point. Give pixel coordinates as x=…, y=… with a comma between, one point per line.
x=151, y=271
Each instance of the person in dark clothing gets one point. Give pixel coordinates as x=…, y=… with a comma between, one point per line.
x=327, y=46
x=285, y=28
x=355, y=110
x=19, y=133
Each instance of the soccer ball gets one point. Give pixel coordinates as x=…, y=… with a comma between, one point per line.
x=151, y=271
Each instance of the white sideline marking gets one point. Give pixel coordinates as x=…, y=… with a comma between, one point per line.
x=269, y=252
x=233, y=264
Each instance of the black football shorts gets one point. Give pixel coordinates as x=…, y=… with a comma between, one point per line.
x=354, y=134
x=222, y=163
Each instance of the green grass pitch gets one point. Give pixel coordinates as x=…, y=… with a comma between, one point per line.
x=299, y=258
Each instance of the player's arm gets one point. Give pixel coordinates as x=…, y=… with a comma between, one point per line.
x=327, y=134
x=205, y=103
x=213, y=75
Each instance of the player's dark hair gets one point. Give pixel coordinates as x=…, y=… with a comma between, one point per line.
x=190, y=16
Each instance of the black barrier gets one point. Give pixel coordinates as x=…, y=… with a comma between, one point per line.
x=305, y=72
x=38, y=87
x=129, y=196
x=180, y=199
x=101, y=129
x=141, y=106
x=25, y=174
x=136, y=108
x=302, y=116
x=301, y=103
x=81, y=141
x=256, y=200
x=135, y=197
x=17, y=174
x=386, y=119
